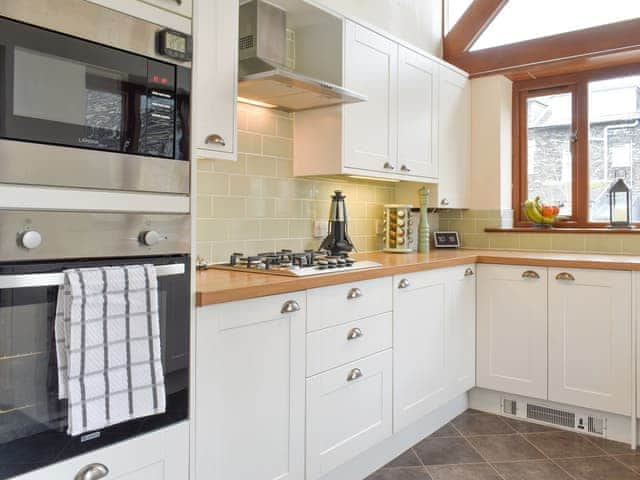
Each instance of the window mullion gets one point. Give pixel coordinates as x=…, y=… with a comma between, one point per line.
x=581, y=154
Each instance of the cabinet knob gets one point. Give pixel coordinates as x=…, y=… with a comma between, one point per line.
x=530, y=274
x=444, y=202
x=565, y=276
x=215, y=139
x=354, y=333
x=290, y=306
x=468, y=272
x=30, y=239
x=94, y=471
x=404, y=283
x=354, y=375
x=388, y=166
x=354, y=293
x=404, y=168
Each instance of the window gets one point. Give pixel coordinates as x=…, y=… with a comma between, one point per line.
x=573, y=137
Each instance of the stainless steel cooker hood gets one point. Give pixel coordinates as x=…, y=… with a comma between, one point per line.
x=263, y=77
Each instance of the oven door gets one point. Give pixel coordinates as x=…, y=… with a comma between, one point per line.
x=32, y=419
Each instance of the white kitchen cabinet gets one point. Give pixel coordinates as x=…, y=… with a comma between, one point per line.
x=512, y=329
x=163, y=454
x=454, y=139
x=172, y=14
x=433, y=340
x=590, y=357
x=250, y=390
x=348, y=411
x=371, y=128
x=417, y=119
x=215, y=78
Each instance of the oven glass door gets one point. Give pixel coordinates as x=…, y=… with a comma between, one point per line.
x=60, y=90
x=32, y=419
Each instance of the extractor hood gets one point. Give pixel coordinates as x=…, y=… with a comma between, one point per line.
x=263, y=77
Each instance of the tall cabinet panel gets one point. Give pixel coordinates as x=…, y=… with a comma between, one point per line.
x=590, y=339
x=250, y=391
x=371, y=130
x=417, y=121
x=512, y=329
x=215, y=78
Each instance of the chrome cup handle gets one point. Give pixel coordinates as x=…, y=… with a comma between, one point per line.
x=354, y=293
x=94, y=471
x=290, y=306
x=354, y=333
x=354, y=374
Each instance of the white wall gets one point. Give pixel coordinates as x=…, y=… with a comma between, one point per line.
x=415, y=21
x=491, y=143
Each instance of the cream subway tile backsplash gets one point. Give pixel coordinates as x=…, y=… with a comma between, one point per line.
x=255, y=204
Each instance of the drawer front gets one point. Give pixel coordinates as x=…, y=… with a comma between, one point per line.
x=344, y=303
x=346, y=343
x=348, y=411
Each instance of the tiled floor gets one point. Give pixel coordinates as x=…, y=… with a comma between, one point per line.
x=480, y=446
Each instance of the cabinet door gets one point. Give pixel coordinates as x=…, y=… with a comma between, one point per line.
x=433, y=340
x=250, y=392
x=181, y=7
x=159, y=455
x=348, y=412
x=454, y=139
x=370, y=128
x=417, y=115
x=512, y=329
x=167, y=13
x=590, y=339
x=215, y=78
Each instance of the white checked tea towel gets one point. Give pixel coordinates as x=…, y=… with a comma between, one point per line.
x=108, y=346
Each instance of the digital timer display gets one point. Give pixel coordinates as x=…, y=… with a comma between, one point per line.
x=176, y=45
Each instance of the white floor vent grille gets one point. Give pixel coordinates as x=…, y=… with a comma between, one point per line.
x=510, y=407
x=551, y=415
x=596, y=425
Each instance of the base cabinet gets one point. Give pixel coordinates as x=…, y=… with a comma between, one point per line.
x=159, y=455
x=250, y=389
x=590, y=339
x=512, y=329
x=433, y=340
x=348, y=412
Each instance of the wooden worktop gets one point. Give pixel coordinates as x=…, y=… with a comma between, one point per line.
x=219, y=286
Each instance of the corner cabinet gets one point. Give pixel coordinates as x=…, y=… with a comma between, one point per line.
x=250, y=389
x=215, y=78
x=434, y=347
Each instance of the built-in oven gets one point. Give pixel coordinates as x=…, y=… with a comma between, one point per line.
x=78, y=113
x=33, y=421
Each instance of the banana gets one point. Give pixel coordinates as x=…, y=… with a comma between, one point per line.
x=533, y=211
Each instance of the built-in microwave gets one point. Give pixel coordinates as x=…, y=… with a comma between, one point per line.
x=78, y=113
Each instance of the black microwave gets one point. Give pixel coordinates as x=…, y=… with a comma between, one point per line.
x=59, y=90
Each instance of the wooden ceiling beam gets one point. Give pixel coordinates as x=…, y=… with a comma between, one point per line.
x=470, y=26
x=590, y=42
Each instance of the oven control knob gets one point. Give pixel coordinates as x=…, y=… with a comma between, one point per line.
x=30, y=239
x=150, y=238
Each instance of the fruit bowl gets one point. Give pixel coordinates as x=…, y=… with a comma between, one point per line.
x=539, y=214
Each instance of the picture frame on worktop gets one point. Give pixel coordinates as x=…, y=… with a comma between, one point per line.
x=446, y=239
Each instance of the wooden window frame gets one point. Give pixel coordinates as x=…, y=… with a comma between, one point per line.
x=577, y=84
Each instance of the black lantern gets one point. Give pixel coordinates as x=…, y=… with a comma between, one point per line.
x=619, y=204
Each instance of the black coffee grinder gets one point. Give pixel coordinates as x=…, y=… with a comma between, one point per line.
x=338, y=241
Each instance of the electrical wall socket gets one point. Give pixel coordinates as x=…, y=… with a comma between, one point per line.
x=320, y=229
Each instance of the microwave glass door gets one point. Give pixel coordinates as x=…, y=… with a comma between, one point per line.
x=32, y=419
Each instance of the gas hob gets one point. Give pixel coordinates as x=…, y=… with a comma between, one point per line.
x=289, y=263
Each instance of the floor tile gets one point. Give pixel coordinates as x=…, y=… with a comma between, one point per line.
x=446, y=431
x=463, y=472
x=611, y=447
x=473, y=411
x=531, y=470
x=481, y=424
x=563, y=444
x=597, y=468
x=528, y=427
x=403, y=473
x=407, y=459
x=446, y=450
x=505, y=448
x=632, y=460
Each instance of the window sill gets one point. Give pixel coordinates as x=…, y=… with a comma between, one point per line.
x=607, y=230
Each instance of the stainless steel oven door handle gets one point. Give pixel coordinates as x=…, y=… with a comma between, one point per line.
x=55, y=279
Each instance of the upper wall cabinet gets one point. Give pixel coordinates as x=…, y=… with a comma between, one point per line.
x=215, y=78
x=454, y=139
x=394, y=134
x=175, y=14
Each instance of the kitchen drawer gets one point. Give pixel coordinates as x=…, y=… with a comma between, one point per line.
x=334, y=346
x=348, y=411
x=344, y=303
